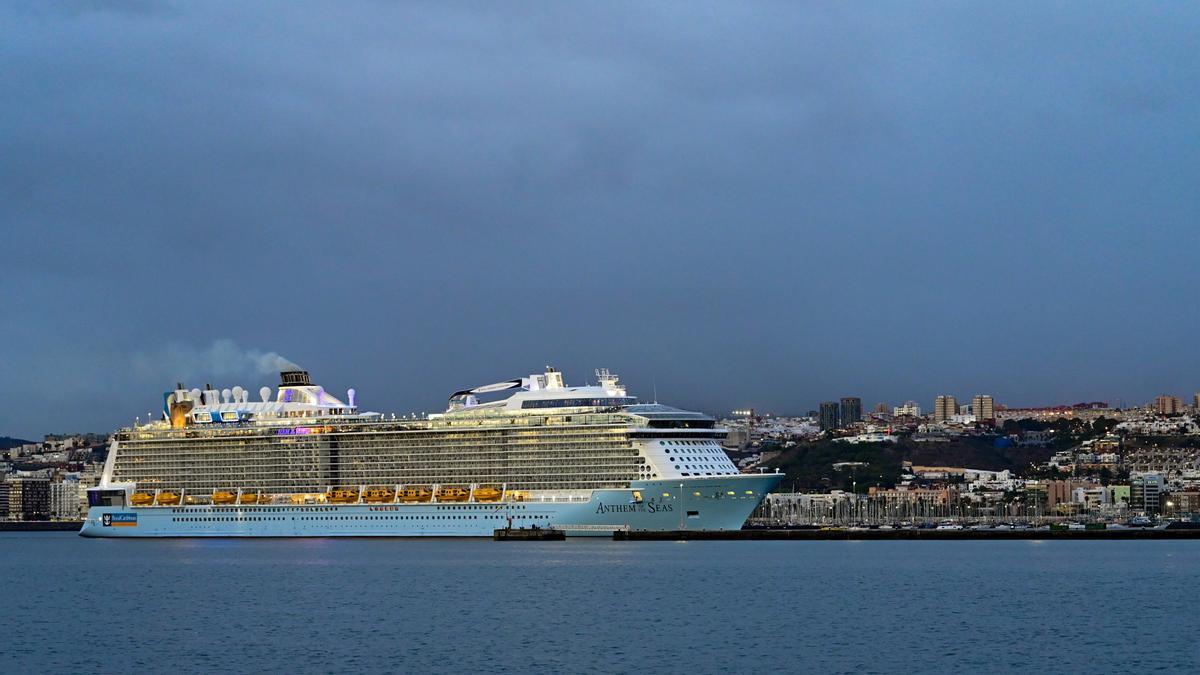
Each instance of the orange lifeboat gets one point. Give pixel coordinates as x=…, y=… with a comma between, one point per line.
x=376, y=495
x=410, y=495
x=167, y=499
x=342, y=496
x=223, y=497
x=453, y=494
x=487, y=494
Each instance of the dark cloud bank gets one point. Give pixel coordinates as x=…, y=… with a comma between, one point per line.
x=743, y=204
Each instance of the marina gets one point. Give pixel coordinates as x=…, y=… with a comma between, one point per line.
x=918, y=534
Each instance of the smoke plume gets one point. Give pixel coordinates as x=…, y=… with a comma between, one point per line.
x=224, y=358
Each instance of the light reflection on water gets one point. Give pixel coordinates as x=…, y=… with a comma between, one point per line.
x=593, y=605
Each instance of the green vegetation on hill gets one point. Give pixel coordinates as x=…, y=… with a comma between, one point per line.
x=809, y=466
x=975, y=453
x=1067, y=431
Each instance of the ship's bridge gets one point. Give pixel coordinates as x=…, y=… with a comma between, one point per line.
x=541, y=391
x=659, y=416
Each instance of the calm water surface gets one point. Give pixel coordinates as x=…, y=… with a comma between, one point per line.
x=325, y=605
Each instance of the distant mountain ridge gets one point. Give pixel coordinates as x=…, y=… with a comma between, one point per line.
x=6, y=442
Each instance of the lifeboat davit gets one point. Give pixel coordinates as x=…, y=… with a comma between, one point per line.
x=141, y=499
x=167, y=499
x=487, y=494
x=223, y=497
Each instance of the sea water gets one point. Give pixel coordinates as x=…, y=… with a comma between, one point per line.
x=465, y=606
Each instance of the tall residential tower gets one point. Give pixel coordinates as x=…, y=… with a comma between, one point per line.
x=983, y=407
x=944, y=408
x=851, y=410
x=830, y=416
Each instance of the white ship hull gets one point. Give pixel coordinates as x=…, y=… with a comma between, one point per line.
x=665, y=505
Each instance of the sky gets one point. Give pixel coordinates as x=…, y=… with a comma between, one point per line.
x=729, y=204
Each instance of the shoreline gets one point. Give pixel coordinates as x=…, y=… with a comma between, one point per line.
x=915, y=534
x=40, y=525
x=1139, y=534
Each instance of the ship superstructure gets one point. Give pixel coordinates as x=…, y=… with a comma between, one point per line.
x=303, y=462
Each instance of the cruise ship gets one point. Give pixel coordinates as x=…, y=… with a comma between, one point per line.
x=523, y=453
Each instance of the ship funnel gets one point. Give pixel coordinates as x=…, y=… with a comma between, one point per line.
x=295, y=378
x=178, y=407
x=350, y=394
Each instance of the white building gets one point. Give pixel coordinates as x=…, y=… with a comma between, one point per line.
x=64, y=501
x=869, y=437
x=88, y=478
x=1090, y=497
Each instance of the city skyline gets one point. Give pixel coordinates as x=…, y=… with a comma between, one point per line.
x=412, y=200
x=799, y=410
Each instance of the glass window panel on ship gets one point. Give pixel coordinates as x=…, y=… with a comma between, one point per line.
x=593, y=451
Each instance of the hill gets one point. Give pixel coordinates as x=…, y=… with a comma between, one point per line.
x=6, y=442
x=810, y=466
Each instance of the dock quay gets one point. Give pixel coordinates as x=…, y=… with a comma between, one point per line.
x=840, y=534
x=40, y=525
x=528, y=534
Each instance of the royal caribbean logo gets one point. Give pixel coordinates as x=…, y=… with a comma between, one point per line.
x=119, y=519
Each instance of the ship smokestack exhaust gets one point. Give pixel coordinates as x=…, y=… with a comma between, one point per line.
x=295, y=378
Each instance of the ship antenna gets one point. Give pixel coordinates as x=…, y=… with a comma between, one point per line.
x=654, y=386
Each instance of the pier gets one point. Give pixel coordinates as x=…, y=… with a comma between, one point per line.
x=840, y=534
x=40, y=525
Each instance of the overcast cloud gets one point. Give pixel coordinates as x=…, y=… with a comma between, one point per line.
x=736, y=204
